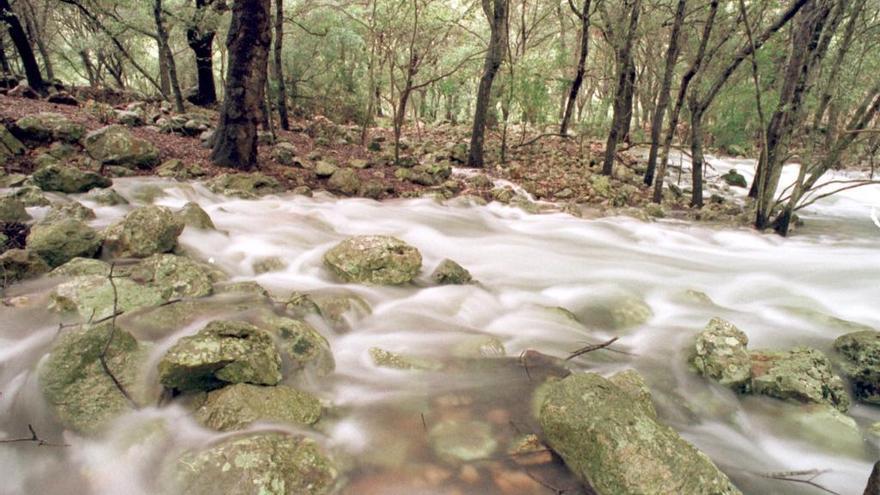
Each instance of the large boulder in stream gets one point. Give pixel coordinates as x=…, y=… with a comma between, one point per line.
x=257, y=464
x=93, y=297
x=144, y=232
x=67, y=179
x=375, y=260
x=800, y=375
x=620, y=449
x=61, y=241
x=48, y=127
x=223, y=352
x=861, y=363
x=115, y=145
x=720, y=354
x=174, y=276
x=78, y=388
x=236, y=406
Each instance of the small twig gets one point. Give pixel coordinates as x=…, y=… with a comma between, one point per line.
x=525, y=364
x=591, y=348
x=103, y=356
x=424, y=423
x=795, y=477
x=34, y=438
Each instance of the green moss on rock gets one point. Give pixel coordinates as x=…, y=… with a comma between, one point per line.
x=376, y=260
x=861, y=363
x=236, y=406
x=720, y=354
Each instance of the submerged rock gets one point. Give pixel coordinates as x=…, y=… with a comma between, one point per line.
x=93, y=296
x=457, y=442
x=337, y=309
x=377, y=260
x=257, y=464
x=76, y=385
x=734, y=178
x=221, y=353
x=192, y=215
x=143, y=232
x=387, y=359
x=619, y=449
x=66, y=179
x=720, y=354
x=236, y=406
x=106, y=197
x=861, y=363
x=115, y=145
x=304, y=346
x=20, y=264
x=64, y=240
x=449, y=272
x=49, y=127
x=174, y=276
x=802, y=375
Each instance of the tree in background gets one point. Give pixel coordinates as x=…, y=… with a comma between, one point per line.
x=496, y=13
x=235, y=140
x=626, y=74
x=200, y=37
x=20, y=39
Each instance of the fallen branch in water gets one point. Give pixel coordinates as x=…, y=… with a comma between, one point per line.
x=34, y=438
x=798, y=477
x=591, y=348
x=103, y=356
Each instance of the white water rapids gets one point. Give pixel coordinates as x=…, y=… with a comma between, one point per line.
x=781, y=292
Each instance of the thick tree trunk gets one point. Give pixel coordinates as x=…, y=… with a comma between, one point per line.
x=623, y=95
x=665, y=91
x=581, y=67
x=202, y=44
x=235, y=141
x=279, y=65
x=162, y=35
x=497, y=15
x=20, y=39
x=4, y=62
x=697, y=158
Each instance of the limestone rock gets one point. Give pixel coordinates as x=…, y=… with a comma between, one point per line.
x=861, y=364
x=236, y=406
x=344, y=181
x=221, y=353
x=106, y=197
x=61, y=241
x=143, y=232
x=619, y=449
x=78, y=267
x=720, y=354
x=71, y=210
x=115, y=145
x=66, y=179
x=179, y=170
x=257, y=464
x=244, y=185
x=192, y=215
x=376, y=260
x=49, y=127
x=20, y=264
x=92, y=296
x=449, y=272
x=12, y=211
x=174, y=276
x=801, y=375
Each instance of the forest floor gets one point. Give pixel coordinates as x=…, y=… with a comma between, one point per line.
x=557, y=173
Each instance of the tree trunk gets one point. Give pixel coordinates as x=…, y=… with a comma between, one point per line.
x=162, y=35
x=497, y=15
x=20, y=39
x=279, y=66
x=4, y=62
x=581, y=67
x=202, y=43
x=164, y=80
x=235, y=141
x=623, y=95
x=665, y=91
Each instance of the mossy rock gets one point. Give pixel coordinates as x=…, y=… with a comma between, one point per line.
x=223, y=352
x=861, y=363
x=174, y=276
x=620, y=449
x=720, y=354
x=61, y=241
x=12, y=211
x=116, y=145
x=92, y=296
x=244, y=185
x=20, y=264
x=78, y=267
x=73, y=209
x=801, y=375
x=375, y=260
x=456, y=442
x=257, y=464
x=301, y=344
x=449, y=272
x=143, y=232
x=106, y=197
x=79, y=390
x=67, y=179
x=192, y=215
x=47, y=127
x=237, y=406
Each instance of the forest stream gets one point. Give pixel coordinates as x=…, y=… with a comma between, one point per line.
x=653, y=285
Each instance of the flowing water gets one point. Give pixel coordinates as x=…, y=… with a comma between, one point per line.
x=805, y=290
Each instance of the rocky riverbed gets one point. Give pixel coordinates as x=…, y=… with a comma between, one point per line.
x=177, y=336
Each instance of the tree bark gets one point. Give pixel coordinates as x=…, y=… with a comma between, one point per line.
x=497, y=15
x=201, y=42
x=578, y=80
x=162, y=36
x=279, y=66
x=623, y=95
x=665, y=91
x=235, y=141
x=20, y=39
